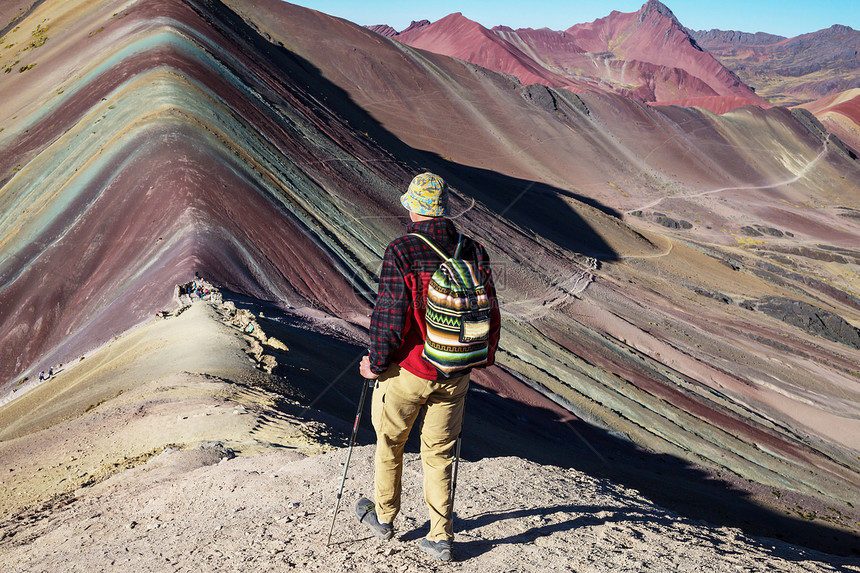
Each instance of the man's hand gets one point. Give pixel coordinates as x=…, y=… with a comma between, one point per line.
x=365, y=370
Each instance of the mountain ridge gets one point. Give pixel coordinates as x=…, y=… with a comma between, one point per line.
x=620, y=47
x=791, y=71
x=767, y=62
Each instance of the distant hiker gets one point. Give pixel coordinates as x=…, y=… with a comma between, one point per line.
x=41, y=375
x=406, y=383
x=50, y=371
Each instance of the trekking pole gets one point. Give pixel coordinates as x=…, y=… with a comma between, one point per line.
x=456, y=466
x=364, y=386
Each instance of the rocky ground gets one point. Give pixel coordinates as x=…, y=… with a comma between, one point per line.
x=149, y=465
x=203, y=510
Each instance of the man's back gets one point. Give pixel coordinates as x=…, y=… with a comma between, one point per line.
x=397, y=327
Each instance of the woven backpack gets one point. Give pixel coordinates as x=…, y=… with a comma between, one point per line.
x=457, y=314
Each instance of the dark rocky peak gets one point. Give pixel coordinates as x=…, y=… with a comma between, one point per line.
x=383, y=29
x=656, y=7
x=652, y=6
x=837, y=31
x=714, y=36
x=415, y=25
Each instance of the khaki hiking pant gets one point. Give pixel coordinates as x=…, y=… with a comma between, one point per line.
x=398, y=398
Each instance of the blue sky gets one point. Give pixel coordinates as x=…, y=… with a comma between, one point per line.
x=782, y=17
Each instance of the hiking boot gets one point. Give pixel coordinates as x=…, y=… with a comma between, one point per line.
x=366, y=513
x=442, y=550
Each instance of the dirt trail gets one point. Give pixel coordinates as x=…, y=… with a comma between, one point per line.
x=797, y=177
x=199, y=510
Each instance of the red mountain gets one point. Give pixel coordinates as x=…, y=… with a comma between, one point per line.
x=646, y=55
x=456, y=35
x=840, y=114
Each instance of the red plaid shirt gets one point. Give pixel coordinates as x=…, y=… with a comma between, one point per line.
x=397, y=327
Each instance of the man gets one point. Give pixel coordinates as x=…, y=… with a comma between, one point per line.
x=406, y=384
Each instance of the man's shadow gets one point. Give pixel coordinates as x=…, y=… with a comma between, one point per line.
x=475, y=547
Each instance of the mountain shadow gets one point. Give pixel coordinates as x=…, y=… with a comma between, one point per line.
x=323, y=369
x=539, y=208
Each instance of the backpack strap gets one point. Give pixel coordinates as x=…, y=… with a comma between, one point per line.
x=458, y=272
x=439, y=251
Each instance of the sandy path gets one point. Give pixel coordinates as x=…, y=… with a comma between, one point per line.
x=194, y=511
